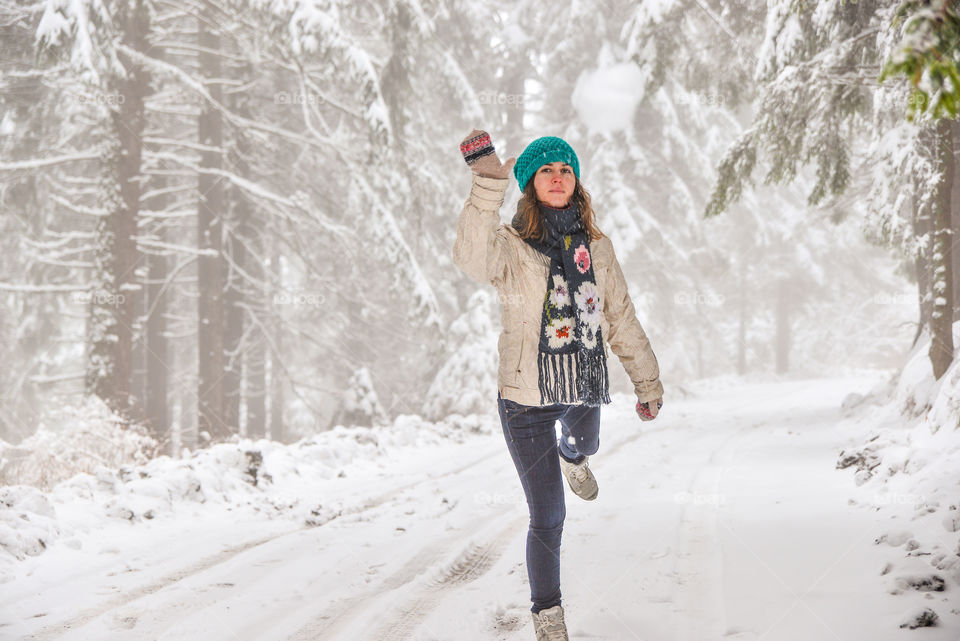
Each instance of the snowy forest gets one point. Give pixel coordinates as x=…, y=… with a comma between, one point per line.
x=191, y=189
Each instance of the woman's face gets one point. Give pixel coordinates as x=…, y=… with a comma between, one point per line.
x=554, y=183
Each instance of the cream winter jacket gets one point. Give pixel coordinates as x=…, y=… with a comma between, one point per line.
x=491, y=252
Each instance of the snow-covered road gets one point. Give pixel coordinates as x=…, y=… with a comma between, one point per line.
x=723, y=519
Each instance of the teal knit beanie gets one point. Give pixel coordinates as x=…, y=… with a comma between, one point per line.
x=540, y=152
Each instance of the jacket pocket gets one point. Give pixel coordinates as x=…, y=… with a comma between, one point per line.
x=519, y=363
x=526, y=375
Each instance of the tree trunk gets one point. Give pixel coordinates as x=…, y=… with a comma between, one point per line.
x=138, y=355
x=155, y=340
x=109, y=334
x=254, y=357
x=210, y=366
x=513, y=96
x=277, y=431
x=233, y=303
x=955, y=217
x=156, y=354
x=921, y=227
x=254, y=369
x=701, y=365
x=783, y=327
x=941, y=345
x=234, y=298
x=395, y=83
x=744, y=316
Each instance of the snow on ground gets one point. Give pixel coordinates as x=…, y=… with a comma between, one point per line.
x=724, y=518
x=907, y=469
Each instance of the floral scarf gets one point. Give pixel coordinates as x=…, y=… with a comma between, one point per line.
x=570, y=338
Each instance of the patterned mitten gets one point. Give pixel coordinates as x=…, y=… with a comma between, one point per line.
x=478, y=152
x=643, y=409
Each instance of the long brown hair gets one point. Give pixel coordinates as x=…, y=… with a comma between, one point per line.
x=530, y=220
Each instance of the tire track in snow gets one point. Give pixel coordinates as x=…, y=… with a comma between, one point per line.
x=327, y=624
x=394, y=616
x=470, y=565
x=55, y=630
x=699, y=563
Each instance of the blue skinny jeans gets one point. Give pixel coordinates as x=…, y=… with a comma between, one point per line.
x=532, y=441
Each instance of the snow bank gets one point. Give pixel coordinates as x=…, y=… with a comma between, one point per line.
x=272, y=479
x=908, y=466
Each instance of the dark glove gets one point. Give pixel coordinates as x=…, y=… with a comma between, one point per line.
x=478, y=152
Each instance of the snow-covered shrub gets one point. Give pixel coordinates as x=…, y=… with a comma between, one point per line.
x=70, y=440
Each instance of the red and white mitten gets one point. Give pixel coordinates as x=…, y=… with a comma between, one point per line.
x=644, y=412
x=481, y=157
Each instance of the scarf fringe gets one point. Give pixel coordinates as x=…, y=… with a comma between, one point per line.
x=592, y=378
x=559, y=385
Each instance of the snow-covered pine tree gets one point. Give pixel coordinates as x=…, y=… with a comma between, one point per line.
x=697, y=62
x=434, y=88
x=817, y=80
x=466, y=382
x=361, y=406
x=86, y=34
x=928, y=55
x=40, y=252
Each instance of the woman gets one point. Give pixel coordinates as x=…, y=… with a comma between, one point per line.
x=562, y=295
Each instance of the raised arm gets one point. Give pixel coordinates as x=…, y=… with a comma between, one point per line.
x=627, y=338
x=479, y=248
